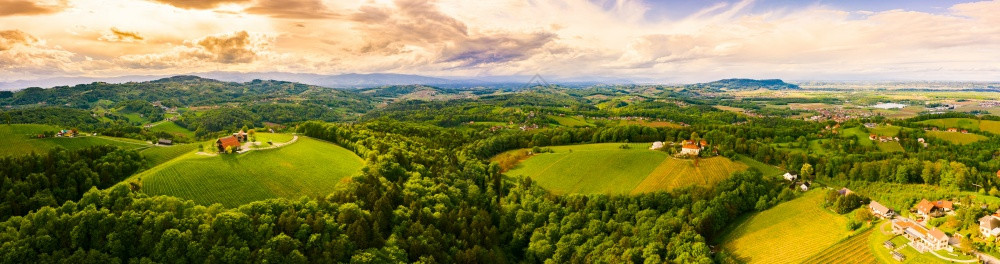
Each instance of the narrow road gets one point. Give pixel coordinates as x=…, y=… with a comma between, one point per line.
x=987, y=258
x=951, y=259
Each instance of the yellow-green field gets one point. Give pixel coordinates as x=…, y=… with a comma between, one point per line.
x=173, y=129
x=20, y=139
x=787, y=233
x=307, y=167
x=853, y=250
x=570, y=121
x=956, y=137
x=965, y=123
x=606, y=168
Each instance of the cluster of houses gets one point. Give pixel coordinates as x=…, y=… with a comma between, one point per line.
x=874, y=137
x=66, y=133
x=794, y=179
x=950, y=129
x=921, y=238
x=234, y=142
x=839, y=115
x=688, y=147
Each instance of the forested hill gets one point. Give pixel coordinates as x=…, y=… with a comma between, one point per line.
x=186, y=91
x=745, y=84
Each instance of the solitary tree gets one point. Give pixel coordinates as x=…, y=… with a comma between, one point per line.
x=806, y=171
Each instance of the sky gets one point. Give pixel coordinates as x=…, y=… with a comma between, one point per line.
x=664, y=41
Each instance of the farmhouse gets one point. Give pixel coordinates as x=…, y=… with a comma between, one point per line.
x=805, y=186
x=240, y=136
x=690, y=148
x=164, y=141
x=792, y=177
x=934, y=209
x=922, y=240
x=657, y=145
x=952, y=129
x=989, y=226
x=880, y=210
x=228, y=142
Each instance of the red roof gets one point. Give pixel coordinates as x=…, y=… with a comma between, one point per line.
x=925, y=206
x=936, y=233
x=690, y=146
x=229, y=141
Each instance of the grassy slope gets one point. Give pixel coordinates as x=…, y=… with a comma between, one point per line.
x=673, y=173
x=605, y=168
x=956, y=137
x=962, y=123
x=787, y=233
x=851, y=250
x=307, y=167
x=18, y=140
x=570, y=121
x=591, y=168
x=767, y=170
x=173, y=128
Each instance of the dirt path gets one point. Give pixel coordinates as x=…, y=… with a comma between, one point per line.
x=951, y=259
x=247, y=147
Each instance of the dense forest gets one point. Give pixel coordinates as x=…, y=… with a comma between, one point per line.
x=428, y=191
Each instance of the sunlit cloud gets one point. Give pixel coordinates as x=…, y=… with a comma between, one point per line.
x=499, y=37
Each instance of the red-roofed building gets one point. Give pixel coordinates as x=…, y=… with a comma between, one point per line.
x=923, y=240
x=933, y=209
x=228, y=142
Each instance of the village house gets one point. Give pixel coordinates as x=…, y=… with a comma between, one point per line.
x=934, y=209
x=165, y=142
x=228, y=142
x=989, y=226
x=952, y=129
x=880, y=210
x=240, y=136
x=656, y=145
x=805, y=186
x=790, y=177
x=690, y=148
x=922, y=240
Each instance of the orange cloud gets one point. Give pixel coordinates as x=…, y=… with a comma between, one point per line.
x=23, y=7
x=303, y=9
x=117, y=35
x=200, y=4
x=11, y=38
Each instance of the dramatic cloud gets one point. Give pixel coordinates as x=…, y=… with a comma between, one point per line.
x=412, y=25
x=304, y=9
x=235, y=48
x=11, y=38
x=23, y=54
x=622, y=38
x=117, y=35
x=200, y=4
x=24, y=7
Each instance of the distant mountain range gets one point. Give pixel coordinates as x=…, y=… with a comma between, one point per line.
x=350, y=80
x=745, y=84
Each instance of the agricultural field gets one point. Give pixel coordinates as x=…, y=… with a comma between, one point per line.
x=606, y=168
x=307, y=167
x=766, y=170
x=173, y=129
x=19, y=139
x=159, y=154
x=570, y=121
x=891, y=146
x=961, y=123
x=885, y=130
x=956, y=137
x=787, y=233
x=852, y=250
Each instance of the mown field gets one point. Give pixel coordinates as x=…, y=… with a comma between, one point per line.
x=965, y=123
x=606, y=168
x=848, y=251
x=570, y=121
x=173, y=129
x=891, y=146
x=956, y=137
x=787, y=233
x=19, y=140
x=308, y=167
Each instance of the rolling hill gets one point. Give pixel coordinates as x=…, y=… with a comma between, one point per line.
x=307, y=167
x=608, y=169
